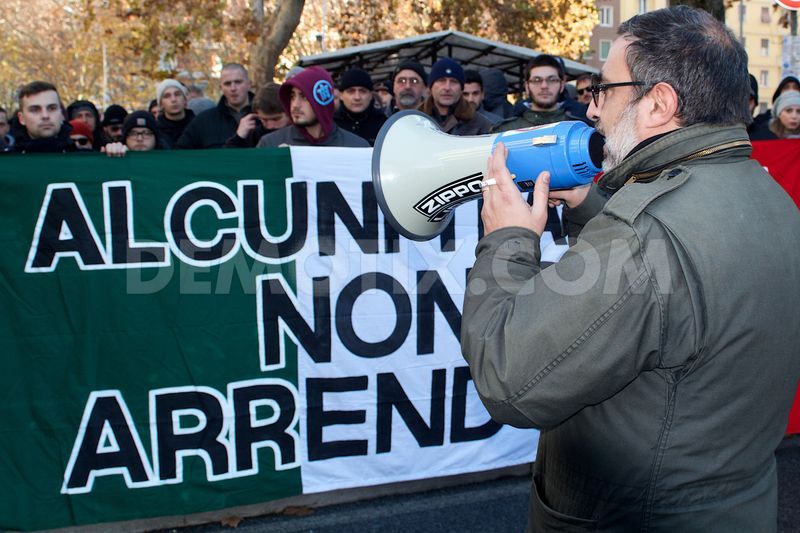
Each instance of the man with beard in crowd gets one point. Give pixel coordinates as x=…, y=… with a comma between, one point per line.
x=308, y=98
x=113, y=118
x=658, y=357
x=410, y=85
x=544, y=82
x=446, y=104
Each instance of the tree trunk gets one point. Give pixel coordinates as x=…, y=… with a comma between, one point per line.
x=715, y=7
x=275, y=35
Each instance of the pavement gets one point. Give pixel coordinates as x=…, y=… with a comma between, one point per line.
x=498, y=506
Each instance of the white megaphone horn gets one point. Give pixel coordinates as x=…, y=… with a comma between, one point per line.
x=421, y=174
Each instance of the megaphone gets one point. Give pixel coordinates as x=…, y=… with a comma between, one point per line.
x=421, y=174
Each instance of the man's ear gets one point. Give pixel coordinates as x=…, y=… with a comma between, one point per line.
x=661, y=106
x=21, y=118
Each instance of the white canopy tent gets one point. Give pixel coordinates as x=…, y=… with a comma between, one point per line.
x=381, y=58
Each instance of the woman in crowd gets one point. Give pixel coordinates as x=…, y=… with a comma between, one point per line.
x=786, y=123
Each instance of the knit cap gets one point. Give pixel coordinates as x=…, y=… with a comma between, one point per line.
x=446, y=68
x=785, y=100
x=79, y=127
x=355, y=77
x=139, y=119
x=412, y=65
x=317, y=86
x=166, y=84
x=114, y=114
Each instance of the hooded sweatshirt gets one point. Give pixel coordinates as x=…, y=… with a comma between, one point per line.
x=98, y=135
x=317, y=86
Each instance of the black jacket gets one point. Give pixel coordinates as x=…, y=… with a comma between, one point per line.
x=171, y=130
x=53, y=145
x=212, y=127
x=366, y=124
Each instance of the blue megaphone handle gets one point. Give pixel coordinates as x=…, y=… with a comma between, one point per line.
x=571, y=151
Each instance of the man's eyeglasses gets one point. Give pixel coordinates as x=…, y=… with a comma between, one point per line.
x=407, y=81
x=552, y=80
x=582, y=90
x=142, y=134
x=81, y=141
x=596, y=87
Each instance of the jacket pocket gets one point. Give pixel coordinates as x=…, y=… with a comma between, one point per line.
x=544, y=518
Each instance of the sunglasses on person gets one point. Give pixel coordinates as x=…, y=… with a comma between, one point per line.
x=597, y=87
x=81, y=141
x=583, y=90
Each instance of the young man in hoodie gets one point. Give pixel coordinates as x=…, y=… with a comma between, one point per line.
x=307, y=97
x=173, y=116
x=357, y=112
x=41, y=127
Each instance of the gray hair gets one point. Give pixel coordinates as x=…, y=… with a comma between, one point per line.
x=695, y=54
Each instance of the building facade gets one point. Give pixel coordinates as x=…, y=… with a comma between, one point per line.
x=755, y=22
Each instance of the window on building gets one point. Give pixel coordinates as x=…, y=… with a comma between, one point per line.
x=642, y=6
x=606, y=16
x=765, y=15
x=764, y=47
x=605, y=46
x=763, y=78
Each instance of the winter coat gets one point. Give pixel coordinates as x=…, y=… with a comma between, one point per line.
x=171, y=130
x=291, y=136
x=366, y=124
x=212, y=127
x=659, y=355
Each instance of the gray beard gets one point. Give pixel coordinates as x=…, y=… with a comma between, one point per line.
x=622, y=139
x=408, y=100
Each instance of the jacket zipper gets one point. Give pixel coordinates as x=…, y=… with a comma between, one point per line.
x=702, y=153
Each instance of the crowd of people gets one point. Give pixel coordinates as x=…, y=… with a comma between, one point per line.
x=310, y=109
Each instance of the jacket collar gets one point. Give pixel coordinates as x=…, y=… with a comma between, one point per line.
x=700, y=141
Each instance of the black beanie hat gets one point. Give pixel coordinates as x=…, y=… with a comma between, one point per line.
x=412, y=65
x=139, y=119
x=355, y=77
x=114, y=114
x=446, y=68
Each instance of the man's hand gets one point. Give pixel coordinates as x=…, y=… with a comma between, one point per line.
x=570, y=197
x=115, y=149
x=503, y=204
x=246, y=125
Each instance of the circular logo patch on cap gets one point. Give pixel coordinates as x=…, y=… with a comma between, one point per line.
x=323, y=92
x=448, y=71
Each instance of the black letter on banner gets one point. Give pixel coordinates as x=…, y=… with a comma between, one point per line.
x=204, y=438
x=330, y=203
x=277, y=305
x=431, y=292
x=447, y=239
x=64, y=211
x=179, y=231
x=106, y=414
x=318, y=418
x=391, y=238
x=119, y=219
x=458, y=430
x=247, y=434
x=344, y=314
x=254, y=225
x=391, y=395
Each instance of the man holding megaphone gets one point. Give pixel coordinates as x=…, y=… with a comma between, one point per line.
x=658, y=357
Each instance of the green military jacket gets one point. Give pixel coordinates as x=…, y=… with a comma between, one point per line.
x=659, y=356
